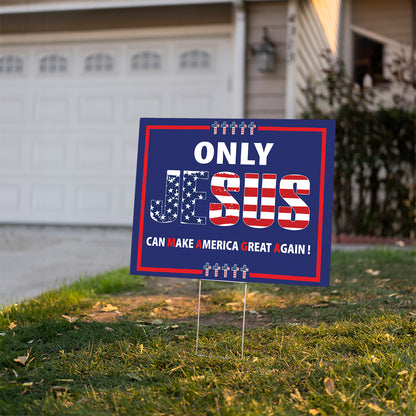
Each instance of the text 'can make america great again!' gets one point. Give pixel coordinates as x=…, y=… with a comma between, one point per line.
x=234, y=200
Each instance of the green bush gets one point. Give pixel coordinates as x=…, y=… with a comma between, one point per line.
x=374, y=176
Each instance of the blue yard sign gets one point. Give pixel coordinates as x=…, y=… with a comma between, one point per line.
x=234, y=200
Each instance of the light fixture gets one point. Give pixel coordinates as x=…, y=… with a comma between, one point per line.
x=265, y=54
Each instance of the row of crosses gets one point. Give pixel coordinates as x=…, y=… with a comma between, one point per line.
x=225, y=269
x=233, y=126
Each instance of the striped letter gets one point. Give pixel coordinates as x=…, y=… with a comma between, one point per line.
x=232, y=208
x=301, y=210
x=268, y=200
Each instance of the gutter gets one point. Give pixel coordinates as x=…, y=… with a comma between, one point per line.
x=99, y=4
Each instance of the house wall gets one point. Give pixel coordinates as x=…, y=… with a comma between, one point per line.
x=105, y=19
x=312, y=40
x=394, y=20
x=265, y=93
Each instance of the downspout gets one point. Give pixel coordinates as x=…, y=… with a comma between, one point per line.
x=239, y=61
x=291, y=34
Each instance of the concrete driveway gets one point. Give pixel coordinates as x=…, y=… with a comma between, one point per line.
x=37, y=258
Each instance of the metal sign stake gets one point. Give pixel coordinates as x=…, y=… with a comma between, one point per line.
x=198, y=322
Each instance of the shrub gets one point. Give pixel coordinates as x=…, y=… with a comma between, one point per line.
x=374, y=176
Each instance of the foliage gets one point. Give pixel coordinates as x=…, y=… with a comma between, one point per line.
x=375, y=148
x=344, y=350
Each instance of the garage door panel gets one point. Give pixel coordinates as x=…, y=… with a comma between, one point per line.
x=95, y=155
x=96, y=108
x=48, y=198
x=50, y=109
x=11, y=154
x=49, y=154
x=12, y=110
x=10, y=200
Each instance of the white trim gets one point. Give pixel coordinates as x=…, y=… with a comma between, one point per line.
x=102, y=35
x=291, y=40
x=100, y=4
x=348, y=44
x=239, y=61
x=377, y=37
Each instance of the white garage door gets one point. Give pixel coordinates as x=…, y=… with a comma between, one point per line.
x=69, y=119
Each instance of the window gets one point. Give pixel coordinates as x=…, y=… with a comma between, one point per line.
x=146, y=61
x=368, y=59
x=195, y=59
x=53, y=63
x=99, y=62
x=11, y=64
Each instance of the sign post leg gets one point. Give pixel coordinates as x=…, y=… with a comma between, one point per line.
x=199, y=312
x=244, y=320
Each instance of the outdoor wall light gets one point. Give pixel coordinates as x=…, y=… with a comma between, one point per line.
x=265, y=54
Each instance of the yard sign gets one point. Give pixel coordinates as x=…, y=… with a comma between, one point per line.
x=234, y=200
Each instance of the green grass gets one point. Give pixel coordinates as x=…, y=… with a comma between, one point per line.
x=349, y=349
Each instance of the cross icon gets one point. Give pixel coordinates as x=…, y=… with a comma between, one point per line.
x=215, y=125
x=244, y=269
x=242, y=127
x=233, y=125
x=207, y=268
x=225, y=268
x=235, y=269
x=252, y=126
x=216, y=268
x=224, y=127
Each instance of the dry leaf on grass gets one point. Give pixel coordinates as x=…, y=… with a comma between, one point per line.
x=373, y=272
x=109, y=308
x=69, y=318
x=313, y=412
x=12, y=326
x=375, y=407
x=329, y=385
x=22, y=359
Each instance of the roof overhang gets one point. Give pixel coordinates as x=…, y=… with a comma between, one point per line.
x=101, y=4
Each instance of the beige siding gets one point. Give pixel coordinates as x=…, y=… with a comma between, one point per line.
x=116, y=19
x=392, y=19
x=265, y=93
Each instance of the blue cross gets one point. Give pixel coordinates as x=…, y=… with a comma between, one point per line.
x=206, y=267
x=225, y=268
x=215, y=124
x=244, y=269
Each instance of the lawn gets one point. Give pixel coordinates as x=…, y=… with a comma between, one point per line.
x=118, y=344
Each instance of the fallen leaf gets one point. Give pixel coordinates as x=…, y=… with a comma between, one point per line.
x=402, y=373
x=59, y=388
x=375, y=407
x=22, y=359
x=174, y=326
x=108, y=329
x=229, y=396
x=296, y=395
x=2, y=334
x=314, y=412
x=329, y=385
x=133, y=376
x=28, y=384
x=320, y=305
x=108, y=308
x=373, y=272
x=12, y=326
x=157, y=322
x=69, y=318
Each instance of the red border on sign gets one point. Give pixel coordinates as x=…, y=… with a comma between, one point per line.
x=317, y=278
